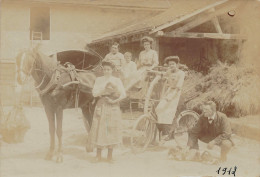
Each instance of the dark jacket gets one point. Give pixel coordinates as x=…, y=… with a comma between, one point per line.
x=218, y=130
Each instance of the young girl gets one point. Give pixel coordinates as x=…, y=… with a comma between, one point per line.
x=106, y=126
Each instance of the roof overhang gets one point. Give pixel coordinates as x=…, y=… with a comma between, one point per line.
x=123, y=34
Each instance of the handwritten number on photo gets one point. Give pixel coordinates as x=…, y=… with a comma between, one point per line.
x=218, y=170
x=224, y=171
x=234, y=172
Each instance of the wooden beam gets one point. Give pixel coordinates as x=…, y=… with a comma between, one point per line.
x=166, y=25
x=194, y=23
x=156, y=45
x=216, y=24
x=204, y=35
x=203, y=19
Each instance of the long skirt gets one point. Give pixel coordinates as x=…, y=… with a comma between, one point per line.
x=106, y=126
x=166, y=110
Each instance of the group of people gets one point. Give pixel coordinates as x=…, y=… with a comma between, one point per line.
x=148, y=58
x=106, y=125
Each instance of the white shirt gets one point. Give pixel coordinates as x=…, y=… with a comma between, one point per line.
x=118, y=59
x=101, y=82
x=149, y=57
x=129, y=68
x=211, y=119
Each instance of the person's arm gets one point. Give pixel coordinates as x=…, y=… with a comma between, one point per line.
x=97, y=89
x=225, y=128
x=194, y=134
x=122, y=60
x=121, y=90
x=155, y=59
x=106, y=57
x=178, y=87
x=133, y=67
x=139, y=62
x=180, y=81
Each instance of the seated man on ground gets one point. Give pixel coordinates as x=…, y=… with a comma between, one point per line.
x=213, y=128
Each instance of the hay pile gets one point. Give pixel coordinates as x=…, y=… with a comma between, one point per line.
x=234, y=88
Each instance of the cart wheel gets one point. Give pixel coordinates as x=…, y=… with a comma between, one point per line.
x=142, y=133
x=185, y=122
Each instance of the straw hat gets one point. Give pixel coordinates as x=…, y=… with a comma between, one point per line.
x=147, y=39
x=176, y=59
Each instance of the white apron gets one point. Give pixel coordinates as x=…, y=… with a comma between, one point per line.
x=167, y=107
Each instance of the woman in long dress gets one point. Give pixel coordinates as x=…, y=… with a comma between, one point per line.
x=167, y=107
x=106, y=126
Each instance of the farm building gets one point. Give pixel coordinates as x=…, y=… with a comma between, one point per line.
x=220, y=39
x=199, y=32
x=60, y=25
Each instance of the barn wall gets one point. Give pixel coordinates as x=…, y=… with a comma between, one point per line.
x=15, y=24
x=7, y=84
x=200, y=54
x=70, y=26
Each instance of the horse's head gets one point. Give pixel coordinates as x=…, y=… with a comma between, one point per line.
x=25, y=61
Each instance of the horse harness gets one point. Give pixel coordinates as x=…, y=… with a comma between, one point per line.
x=56, y=76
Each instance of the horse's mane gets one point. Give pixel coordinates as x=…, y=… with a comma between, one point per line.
x=49, y=64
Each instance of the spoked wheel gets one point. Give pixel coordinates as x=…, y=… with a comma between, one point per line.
x=185, y=122
x=142, y=133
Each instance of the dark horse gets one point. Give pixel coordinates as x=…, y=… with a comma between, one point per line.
x=55, y=98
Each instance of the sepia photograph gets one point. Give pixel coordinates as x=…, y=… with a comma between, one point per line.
x=129, y=88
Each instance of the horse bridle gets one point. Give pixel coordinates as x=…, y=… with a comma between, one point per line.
x=30, y=71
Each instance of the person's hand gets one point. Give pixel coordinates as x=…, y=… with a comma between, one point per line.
x=211, y=145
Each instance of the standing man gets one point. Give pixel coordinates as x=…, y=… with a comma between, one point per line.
x=115, y=56
x=213, y=128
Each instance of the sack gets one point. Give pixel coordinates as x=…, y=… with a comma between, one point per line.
x=15, y=125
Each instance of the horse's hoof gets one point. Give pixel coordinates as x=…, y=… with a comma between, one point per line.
x=59, y=159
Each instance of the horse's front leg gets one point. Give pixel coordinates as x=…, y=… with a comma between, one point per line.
x=59, y=117
x=51, y=119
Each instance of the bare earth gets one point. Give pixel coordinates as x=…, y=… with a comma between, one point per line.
x=27, y=159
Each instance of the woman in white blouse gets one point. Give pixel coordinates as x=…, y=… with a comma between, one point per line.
x=148, y=58
x=106, y=126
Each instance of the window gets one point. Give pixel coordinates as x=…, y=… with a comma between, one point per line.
x=40, y=23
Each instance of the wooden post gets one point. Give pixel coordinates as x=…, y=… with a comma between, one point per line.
x=216, y=24
x=156, y=46
x=239, y=49
x=31, y=94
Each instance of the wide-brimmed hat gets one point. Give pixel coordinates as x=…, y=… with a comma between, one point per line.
x=147, y=39
x=176, y=59
x=108, y=63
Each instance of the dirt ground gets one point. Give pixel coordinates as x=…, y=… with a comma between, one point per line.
x=27, y=159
